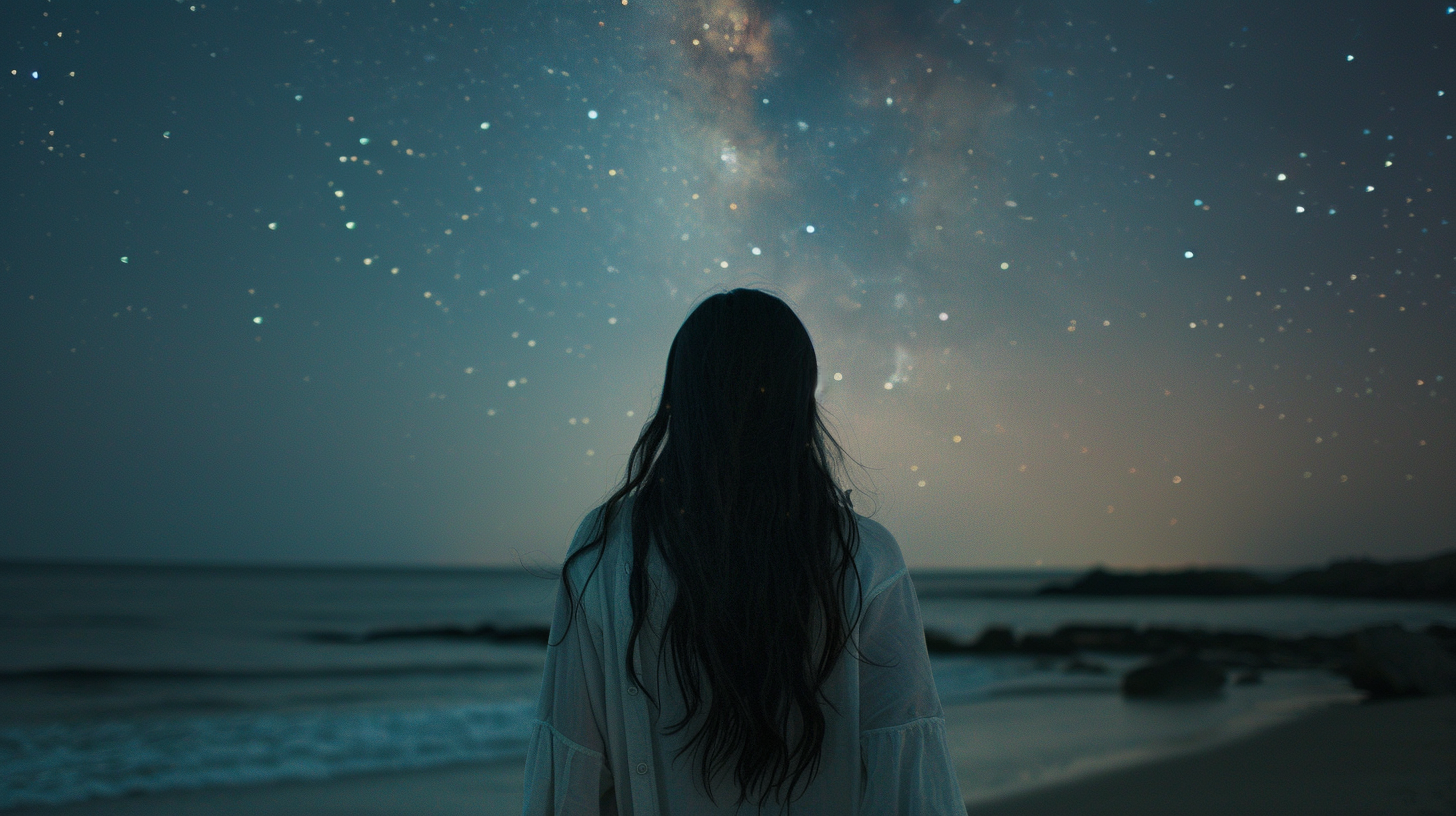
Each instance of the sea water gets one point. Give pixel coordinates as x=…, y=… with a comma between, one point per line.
x=127, y=679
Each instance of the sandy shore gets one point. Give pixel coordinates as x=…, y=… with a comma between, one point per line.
x=1387, y=758
x=1392, y=758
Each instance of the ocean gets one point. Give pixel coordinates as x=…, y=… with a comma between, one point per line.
x=121, y=680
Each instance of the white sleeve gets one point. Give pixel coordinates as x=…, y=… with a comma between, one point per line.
x=566, y=766
x=907, y=766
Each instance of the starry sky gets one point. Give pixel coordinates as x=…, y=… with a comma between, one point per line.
x=1136, y=283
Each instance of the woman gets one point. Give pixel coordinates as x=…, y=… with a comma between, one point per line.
x=730, y=637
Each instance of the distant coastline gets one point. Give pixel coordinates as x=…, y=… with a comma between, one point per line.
x=1431, y=578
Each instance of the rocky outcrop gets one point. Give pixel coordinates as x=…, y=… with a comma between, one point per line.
x=1231, y=649
x=1433, y=578
x=1391, y=662
x=1179, y=677
x=1383, y=661
x=485, y=631
x=1430, y=578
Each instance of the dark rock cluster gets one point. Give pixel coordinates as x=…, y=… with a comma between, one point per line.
x=1241, y=649
x=1391, y=662
x=1382, y=661
x=1178, y=676
x=485, y=631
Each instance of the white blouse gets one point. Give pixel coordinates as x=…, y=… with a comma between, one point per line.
x=596, y=747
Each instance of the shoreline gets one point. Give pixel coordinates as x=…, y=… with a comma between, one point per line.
x=1394, y=757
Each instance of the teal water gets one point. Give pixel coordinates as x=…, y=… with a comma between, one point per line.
x=117, y=680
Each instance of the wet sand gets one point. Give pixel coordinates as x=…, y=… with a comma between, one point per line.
x=1393, y=758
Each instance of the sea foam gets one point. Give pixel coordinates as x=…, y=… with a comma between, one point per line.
x=67, y=762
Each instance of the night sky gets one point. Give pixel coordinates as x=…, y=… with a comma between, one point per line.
x=1140, y=283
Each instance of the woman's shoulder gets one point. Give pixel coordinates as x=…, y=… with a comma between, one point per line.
x=609, y=552
x=879, y=559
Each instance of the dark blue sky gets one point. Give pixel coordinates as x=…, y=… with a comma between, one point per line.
x=1137, y=283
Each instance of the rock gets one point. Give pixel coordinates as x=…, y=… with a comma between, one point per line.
x=1445, y=634
x=941, y=643
x=995, y=640
x=1391, y=662
x=1178, y=677
x=485, y=631
x=1433, y=577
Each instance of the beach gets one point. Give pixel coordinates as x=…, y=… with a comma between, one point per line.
x=1392, y=758
x=318, y=691
x=1378, y=758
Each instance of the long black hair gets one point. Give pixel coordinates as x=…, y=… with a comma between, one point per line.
x=732, y=483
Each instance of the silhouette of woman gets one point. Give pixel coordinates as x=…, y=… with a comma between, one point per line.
x=730, y=636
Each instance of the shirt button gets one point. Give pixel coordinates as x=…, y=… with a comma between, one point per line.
x=632, y=690
x=642, y=767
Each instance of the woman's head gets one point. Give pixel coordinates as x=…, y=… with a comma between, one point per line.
x=732, y=491
x=740, y=383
